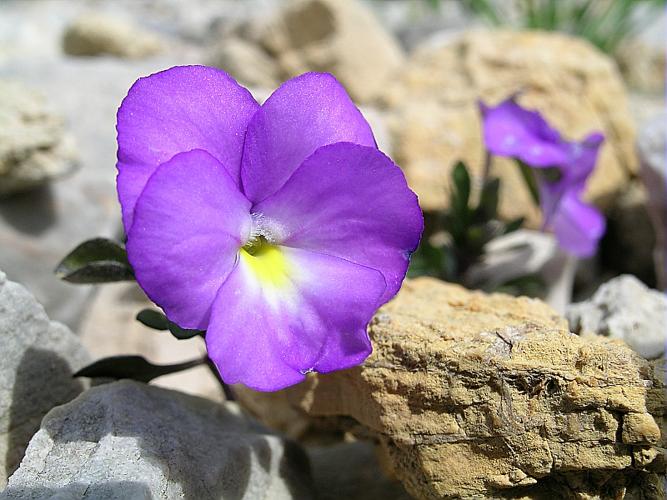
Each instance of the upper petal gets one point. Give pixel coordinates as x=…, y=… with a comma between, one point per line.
x=353, y=202
x=177, y=110
x=304, y=113
x=512, y=131
x=189, y=224
x=577, y=225
x=268, y=334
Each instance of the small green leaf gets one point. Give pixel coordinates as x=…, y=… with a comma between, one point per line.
x=184, y=333
x=158, y=321
x=153, y=319
x=514, y=225
x=132, y=367
x=531, y=183
x=96, y=261
x=488, y=200
x=461, y=183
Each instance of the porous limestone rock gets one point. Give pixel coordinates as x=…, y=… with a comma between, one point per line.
x=36, y=366
x=34, y=146
x=626, y=309
x=131, y=440
x=436, y=120
x=474, y=395
x=338, y=36
x=99, y=34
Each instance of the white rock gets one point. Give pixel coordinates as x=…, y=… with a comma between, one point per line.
x=624, y=308
x=130, y=440
x=36, y=366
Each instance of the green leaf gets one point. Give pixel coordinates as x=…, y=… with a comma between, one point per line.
x=514, y=225
x=133, y=367
x=158, y=321
x=461, y=183
x=96, y=261
x=488, y=200
x=531, y=183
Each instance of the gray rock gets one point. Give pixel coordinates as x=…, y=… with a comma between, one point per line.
x=351, y=470
x=36, y=366
x=624, y=308
x=34, y=146
x=130, y=440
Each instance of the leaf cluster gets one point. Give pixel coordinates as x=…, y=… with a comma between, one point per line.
x=467, y=226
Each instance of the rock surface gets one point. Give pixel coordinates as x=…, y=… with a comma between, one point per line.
x=338, y=36
x=34, y=145
x=475, y=395
x=626, y=309
x=436, y=119
x=36, y=366
x=350, y=471
x=245, y=61
x=98, y=34
x=109, y=328
x=130, y=440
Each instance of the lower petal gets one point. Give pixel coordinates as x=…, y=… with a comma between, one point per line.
x=578, y=226
x=189, y=224
x=267, y=330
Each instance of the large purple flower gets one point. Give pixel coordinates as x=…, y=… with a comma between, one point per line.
x=279, y=229
x=562, y=169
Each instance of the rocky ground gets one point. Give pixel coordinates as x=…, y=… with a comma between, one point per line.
x=467, y=395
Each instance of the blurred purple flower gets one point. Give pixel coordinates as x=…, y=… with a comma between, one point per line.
x=279, y=229
x=562, y=168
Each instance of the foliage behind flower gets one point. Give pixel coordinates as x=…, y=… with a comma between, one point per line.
x=278, y=229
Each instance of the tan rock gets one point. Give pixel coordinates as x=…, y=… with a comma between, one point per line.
x=246, y=62
x=110, y=329
x=436, y=120
x=98, y=34
x=338, y=36
x=475, y=395
x=34, y=144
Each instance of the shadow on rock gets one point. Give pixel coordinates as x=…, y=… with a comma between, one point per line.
x=178, y=446
x=121, y=490
x=32, y=212
x=43, y=381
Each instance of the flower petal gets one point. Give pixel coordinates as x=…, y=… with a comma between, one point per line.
x=189, y=224
x=268, y=336
x=174, y=111
x=577, y=225
x=304, y=113
x=352, y=202
x=512, y=131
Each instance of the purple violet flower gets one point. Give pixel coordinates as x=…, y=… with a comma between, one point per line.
x=279, y=229
x=562, y=169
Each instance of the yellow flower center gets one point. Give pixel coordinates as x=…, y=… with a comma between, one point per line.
x=266, y=261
